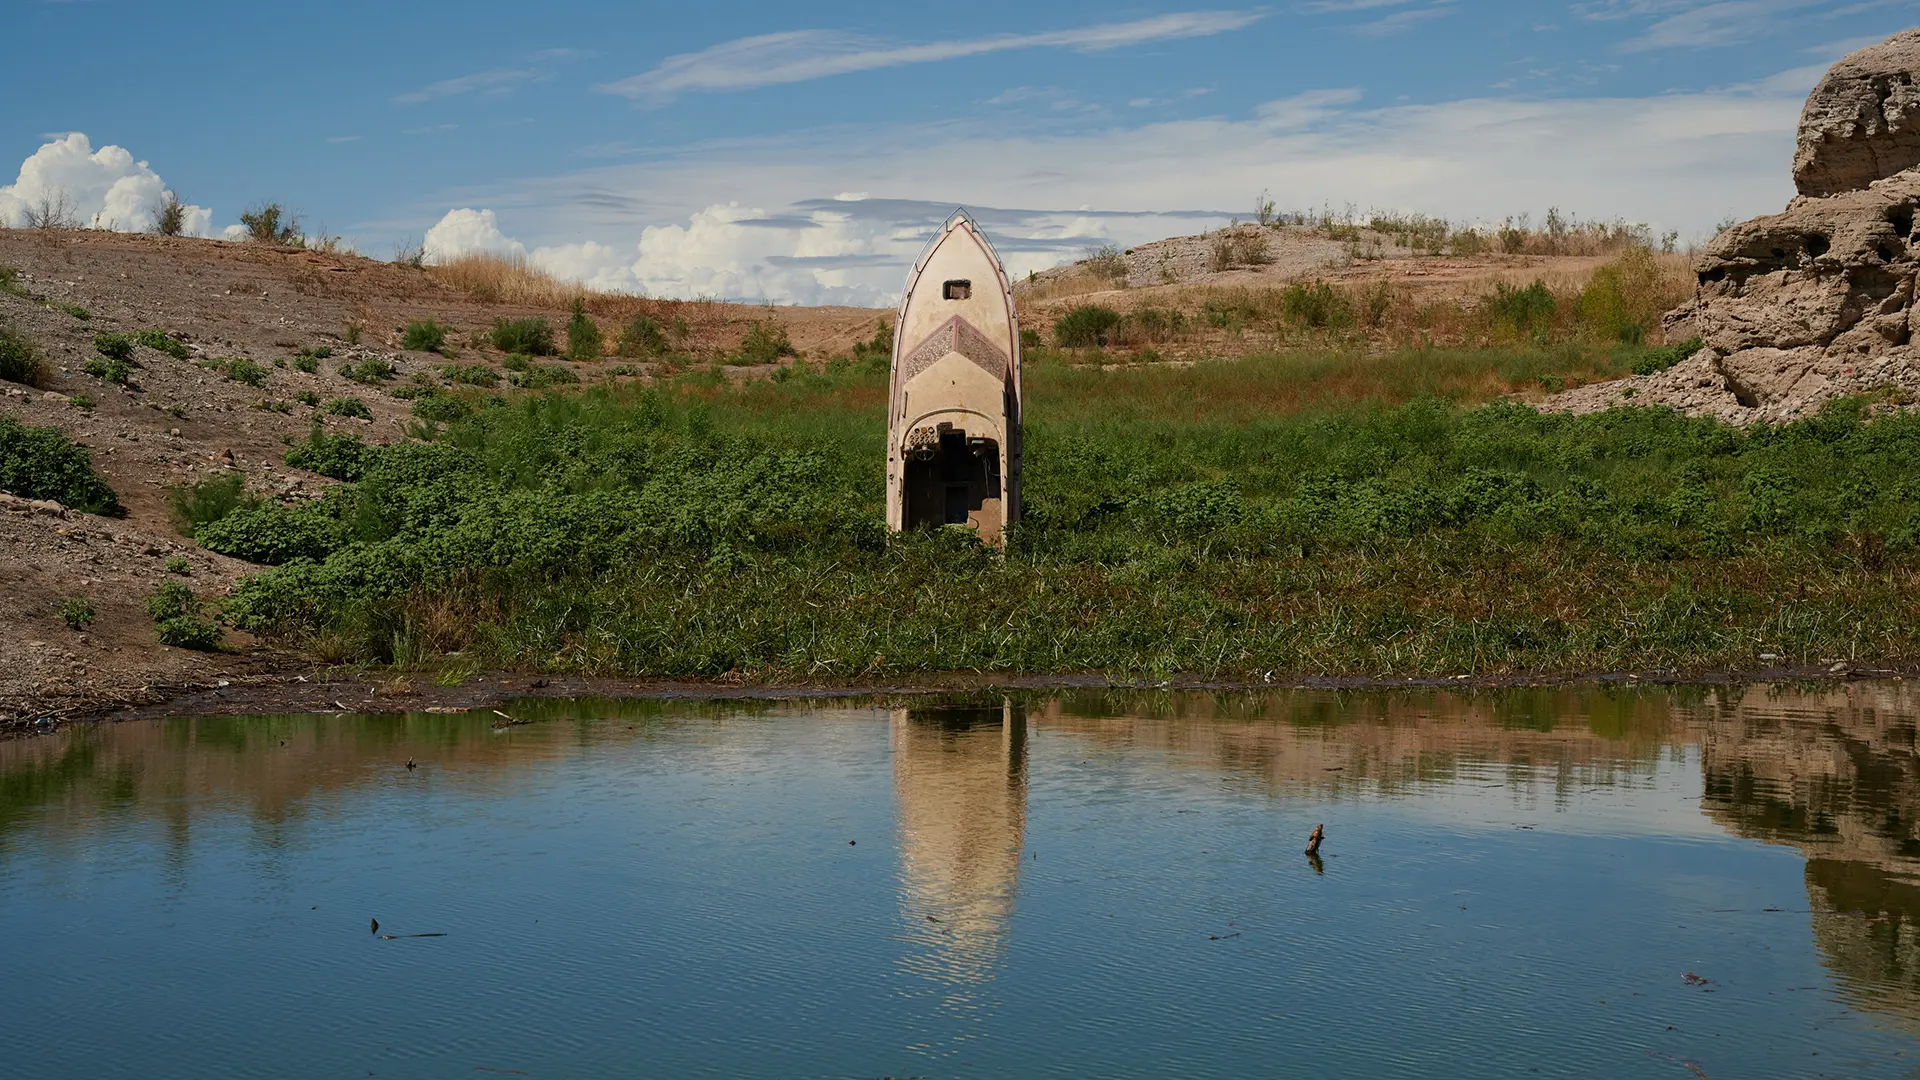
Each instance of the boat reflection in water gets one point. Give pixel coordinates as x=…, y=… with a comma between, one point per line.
x=960, y=788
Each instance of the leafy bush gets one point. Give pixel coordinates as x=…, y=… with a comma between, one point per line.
x=76, y=311
x=169, y=215
x=875, y=355
x=347, y=406
x=271, y=534
x=342, y=457
x=1625, y=298
x=441, y=408
x=19, y=361
x=177, y=564
x=1521, y=309
x=113, y=371
x=471, y=374
x=541, y=376
x=765, y=345
x=1314, y=304
x=370, y=370
x=204, y=502
x=181, y=620
x=41, y=463
x=270, y=223
x=307, y=398
x=1664, y=357
x=642, y=337
x=583, y=335
x=115, y=346
x=424, y=335
x=1085, y=326
x=78, y=614
x=534, y=336
x=308, y=359
x=163, y=342
x=242, y=370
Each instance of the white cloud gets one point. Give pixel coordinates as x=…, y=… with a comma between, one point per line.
x=105, y=188
x=497, y=81
x=468, y=232
x=800, y=55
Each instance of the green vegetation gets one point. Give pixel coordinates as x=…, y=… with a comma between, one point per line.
x=642, y=338
x=199, y=504
x=1085, y=326
x=242, y=370
x=76, y=311
x=1664, y=357
x=441, y=408
x=41, y=463
x=169, y=215
x=177, y=564
x=113, y=371
x=471, y=374
x=347, y=406
x=270, y=223
x=20, y=362
x=163, y=342
x=115, y=346
x=529, y=376
x=1301, y=514
x=308, y=359
x=182, y=621
x=307, y=398
x=78, y=614
x=533, y=337
x=80, y=401
x=425, y=335
x=583, y=335
x=764, y=345
x=10, y=283
x=369, y=370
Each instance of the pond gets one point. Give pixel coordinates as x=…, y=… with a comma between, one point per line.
x=1599, y=882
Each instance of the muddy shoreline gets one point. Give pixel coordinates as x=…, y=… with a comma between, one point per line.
x=322, y=691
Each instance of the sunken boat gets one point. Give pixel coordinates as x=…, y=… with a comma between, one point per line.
x=953, y=421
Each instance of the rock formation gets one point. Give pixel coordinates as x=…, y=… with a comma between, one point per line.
x=1799, y=308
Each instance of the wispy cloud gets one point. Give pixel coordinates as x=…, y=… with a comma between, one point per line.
x=1325, y=7
x=801, y=55
x=343, y=138
x=499, y=80
x=1401, y=21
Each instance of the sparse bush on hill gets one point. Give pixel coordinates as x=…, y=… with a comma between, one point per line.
x=1521, y=310
x=642, y=338
x=182, y=620
x=1657, y=360
x=1239, y=246
x=115, y=346
x=1625, y=298
x=308, y=359
x=1085, y=326
x=533, y=337
x=1106, y=262
x=1315, y=304
x=42, y=463
x=242, y=370
x=470, y=374
x=169, y=215
x=203, y=502
x=347, y=406
x=368, y=370
x=441, y=408
x=53, y=210
x=342, y=457
x=765, y=344
x=583, y=335
x=876, y=353
x=270, y=223
x=541, y=376
x=77, y=613
x=20, y=362
x=424, y=335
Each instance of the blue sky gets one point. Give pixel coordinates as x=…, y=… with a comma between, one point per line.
x=793, y=152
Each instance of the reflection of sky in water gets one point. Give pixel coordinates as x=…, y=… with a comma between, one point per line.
x=1115, y=888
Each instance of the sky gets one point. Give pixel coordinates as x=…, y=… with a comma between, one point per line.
x=801, y=153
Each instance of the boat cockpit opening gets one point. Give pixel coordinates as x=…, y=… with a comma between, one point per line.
x=951, y=478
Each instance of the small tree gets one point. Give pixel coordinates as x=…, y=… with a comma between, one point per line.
x=53, y=210
x=583, y=336
x=169, y=215
x=271, y=223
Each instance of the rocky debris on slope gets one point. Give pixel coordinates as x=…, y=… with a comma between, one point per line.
x=1862, y=122
x=1816, y=303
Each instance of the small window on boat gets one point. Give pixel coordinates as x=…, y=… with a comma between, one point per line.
x=958, y=290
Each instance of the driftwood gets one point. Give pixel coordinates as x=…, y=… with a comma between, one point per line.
x=1313, y=842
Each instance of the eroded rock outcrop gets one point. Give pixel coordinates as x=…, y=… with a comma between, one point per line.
x=1815, y=303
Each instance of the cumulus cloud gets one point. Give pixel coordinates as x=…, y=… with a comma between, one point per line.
x=468, y=232
x=104, y=188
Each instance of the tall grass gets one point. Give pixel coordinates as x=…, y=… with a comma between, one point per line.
x=504, y=279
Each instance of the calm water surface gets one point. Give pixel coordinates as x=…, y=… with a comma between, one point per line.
x=1594, y=883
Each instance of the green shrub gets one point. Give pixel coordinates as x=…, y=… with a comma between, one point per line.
x=583, y=335
x=242, y=370
x=541, y=376
x=875, y=355
x=1664, y=357
x=169, y=215
x=347, y=406
x=517, y=362
x=471, y=374
x=10, y=283
x=77, y=614
x=308, y=359
x=424, y=335
x=643, y=337
x=177, y=564
x=533, y=337
x=115, y=346
x=441, y=408
x=342, y=457
x=164, y=342
x=1085, y=326
x=765, y=345
x=42, y=463
x=76, y=311
x=1521, y=309
x=370, y=370
x=80, y=401
x=307, y=398
x=204, y=502
x=270, y=223
x=113, y=371
x=1314, y=304
x=170, y=600
x=181, y=620
x=272, y=534
x=19, y=361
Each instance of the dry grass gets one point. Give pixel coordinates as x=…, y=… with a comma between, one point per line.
x=505, y=279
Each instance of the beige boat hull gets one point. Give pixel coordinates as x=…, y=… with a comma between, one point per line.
x=953, y=421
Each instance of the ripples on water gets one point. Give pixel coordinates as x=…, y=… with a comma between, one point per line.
x=1076, y=885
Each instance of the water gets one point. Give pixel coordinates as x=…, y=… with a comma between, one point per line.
x=1079, y=885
